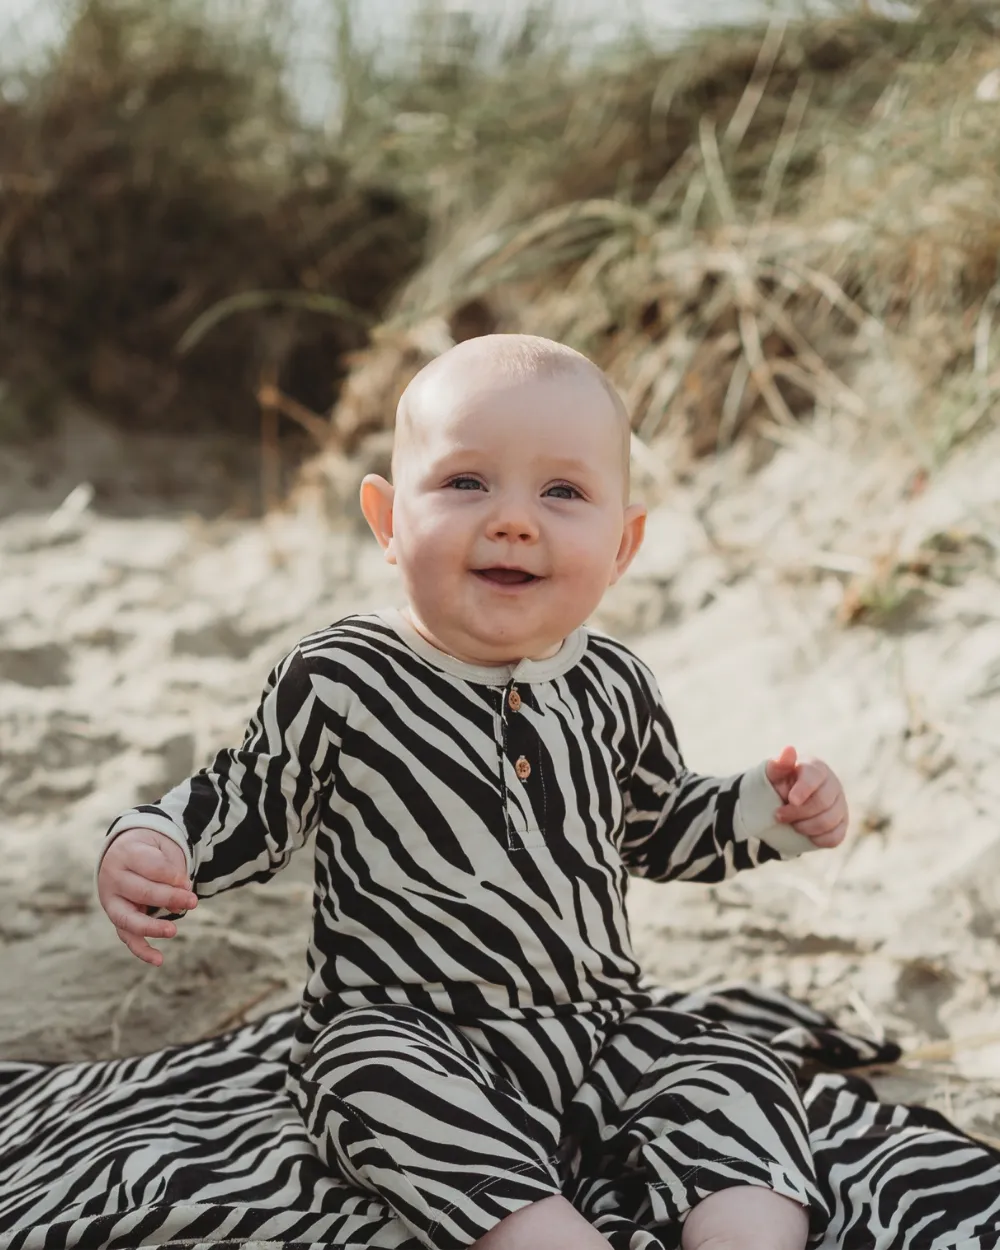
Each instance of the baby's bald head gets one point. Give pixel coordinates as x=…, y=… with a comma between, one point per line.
x=495, y=361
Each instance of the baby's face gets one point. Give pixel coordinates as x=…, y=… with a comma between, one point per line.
x=508, y=520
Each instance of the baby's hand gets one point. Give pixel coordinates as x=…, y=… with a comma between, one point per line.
x=141, y=869
x=813, y=799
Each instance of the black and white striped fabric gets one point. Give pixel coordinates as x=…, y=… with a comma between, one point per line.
x=454, y=1128
x=475, y=1032
x=199, y=1147
x=474, y=827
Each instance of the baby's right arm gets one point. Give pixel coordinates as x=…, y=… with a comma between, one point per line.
x=238, y=820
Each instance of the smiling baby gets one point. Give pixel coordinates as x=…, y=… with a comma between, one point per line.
x=480, y=774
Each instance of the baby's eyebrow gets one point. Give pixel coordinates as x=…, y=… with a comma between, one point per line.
x=469, y=458
x=572, y=467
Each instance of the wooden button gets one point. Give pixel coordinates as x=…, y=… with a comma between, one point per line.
x=514, y=700
x=523, y=769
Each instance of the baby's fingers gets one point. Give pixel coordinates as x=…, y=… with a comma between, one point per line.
x=827, y=829
x=128, y=919
x=818, y=826
x=813, y=777
x=819, y=801
x=146, y=893
x=150, y=862
x=834, y=837
x=141, y=948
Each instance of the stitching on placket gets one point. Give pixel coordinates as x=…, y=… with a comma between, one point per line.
x=544, y=822
x=502, y=761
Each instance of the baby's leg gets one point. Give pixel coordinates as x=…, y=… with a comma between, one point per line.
x=683, y=1122
x=552, y=1224
x=746, y=1218
x=397, y=1101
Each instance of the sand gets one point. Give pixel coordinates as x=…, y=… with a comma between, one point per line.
x=135, y=636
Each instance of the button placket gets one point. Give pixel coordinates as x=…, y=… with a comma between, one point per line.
x=522, y=756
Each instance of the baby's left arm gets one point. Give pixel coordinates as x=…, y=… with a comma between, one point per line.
x=683, y=826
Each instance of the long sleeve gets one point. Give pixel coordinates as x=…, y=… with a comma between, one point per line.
x=241, y=818
x=683, y=826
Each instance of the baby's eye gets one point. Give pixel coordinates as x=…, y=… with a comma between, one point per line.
x=465, y=483
x=563, y=490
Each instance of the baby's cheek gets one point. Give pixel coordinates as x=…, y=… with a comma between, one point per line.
x=586, y=544
x=593, y=563
x=433, y=560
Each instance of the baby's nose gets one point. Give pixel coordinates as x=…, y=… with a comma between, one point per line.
x=514, y=523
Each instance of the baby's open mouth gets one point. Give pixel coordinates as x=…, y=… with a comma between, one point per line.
x=506, y=577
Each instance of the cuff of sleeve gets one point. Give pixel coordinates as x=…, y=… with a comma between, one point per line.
x=754, y=816
x=144, y=820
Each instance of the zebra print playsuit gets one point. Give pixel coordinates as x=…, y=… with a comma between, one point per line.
x=474, y=1031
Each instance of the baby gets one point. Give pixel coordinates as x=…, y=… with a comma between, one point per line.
x=481, y=774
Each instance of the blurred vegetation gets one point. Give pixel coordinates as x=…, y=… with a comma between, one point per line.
x=153, y=168
x=730, y=227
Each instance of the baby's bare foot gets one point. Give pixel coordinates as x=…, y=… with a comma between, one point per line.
x=746, y=1218
x=550, y=1224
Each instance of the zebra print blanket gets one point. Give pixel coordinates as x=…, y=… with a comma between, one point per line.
x=197, y=1146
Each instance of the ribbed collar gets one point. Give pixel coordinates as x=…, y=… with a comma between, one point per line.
x=526, y=671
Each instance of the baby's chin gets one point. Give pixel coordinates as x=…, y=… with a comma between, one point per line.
x=484, y=644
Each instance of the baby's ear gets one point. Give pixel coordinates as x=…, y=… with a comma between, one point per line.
x=376, y=503
x=632, y=535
